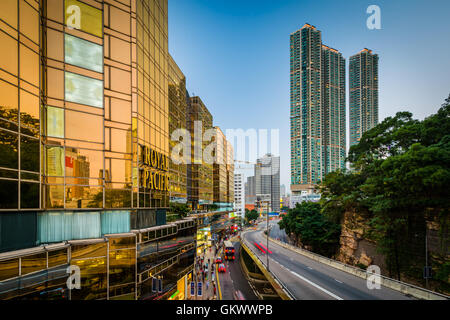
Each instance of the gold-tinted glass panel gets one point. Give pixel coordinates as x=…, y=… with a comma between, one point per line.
x=55, y=122
x=83, y=197
x=34, y=263
x=57, y=258
x=29, y=109
x=29, y=65
x=8, y=101
x=9, y=269
x=83, y=17
x=93, y=279
x=29, y=21
x=122, y=266
x=82, y=126
x=88, y=250
x=8, y=54
x=8, y=12
x=54, y=196
x=55, y=161
x=84, y=164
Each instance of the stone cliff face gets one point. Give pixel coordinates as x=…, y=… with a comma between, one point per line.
x=355, y=249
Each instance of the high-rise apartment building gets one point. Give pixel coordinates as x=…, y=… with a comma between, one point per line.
x=239, y=195
x=250, y=191
x=84, y=141
x=363, y=94
x=317, y=109
x=267, y=181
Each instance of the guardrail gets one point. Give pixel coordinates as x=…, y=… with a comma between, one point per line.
x=281, y=289
x=397, y=285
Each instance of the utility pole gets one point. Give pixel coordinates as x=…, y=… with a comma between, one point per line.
x=426, y=256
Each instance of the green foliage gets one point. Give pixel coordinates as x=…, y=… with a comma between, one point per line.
x=179, y=209
x=400, y=179
x=312, y=228
x=251, y=215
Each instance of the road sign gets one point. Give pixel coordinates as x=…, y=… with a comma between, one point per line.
x=199, y=289
x=192, y=288
x=427, y=273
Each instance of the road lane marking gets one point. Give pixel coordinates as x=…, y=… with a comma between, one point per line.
x=338, y=281
x=316, y=286
x=310, y=268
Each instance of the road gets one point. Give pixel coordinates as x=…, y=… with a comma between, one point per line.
x=234, y=279
x=307, y=279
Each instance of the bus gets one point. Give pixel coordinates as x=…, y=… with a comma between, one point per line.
x=229, y=250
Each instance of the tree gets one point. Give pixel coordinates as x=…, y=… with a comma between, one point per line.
x=312, y=228
x=400, y=179
x=251, y=215
x=179, y=209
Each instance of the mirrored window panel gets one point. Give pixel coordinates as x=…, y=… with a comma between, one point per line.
x=83, y=17
x=82, y=53
x=54, y=161
x=83, y=90
x=55, y=122
x=9, y=149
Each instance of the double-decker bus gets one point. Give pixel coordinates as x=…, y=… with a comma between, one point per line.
x=229, y=250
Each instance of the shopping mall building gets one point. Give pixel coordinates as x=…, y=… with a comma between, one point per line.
x=88, y=98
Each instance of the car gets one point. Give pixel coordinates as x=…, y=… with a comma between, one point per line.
x=222, y=268
x=219, y=260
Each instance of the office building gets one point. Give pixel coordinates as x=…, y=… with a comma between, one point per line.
x=363, y=94
x=177, y=121
x=250, y=191
x=267, y=182
x=199, y=173
x=317, y=109
x=222, y=185
x=84, y=137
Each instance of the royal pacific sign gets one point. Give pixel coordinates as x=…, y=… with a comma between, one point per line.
x=154, y=169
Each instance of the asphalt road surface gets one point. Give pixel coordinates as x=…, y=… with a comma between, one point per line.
x=234, y=279
x=307, y=279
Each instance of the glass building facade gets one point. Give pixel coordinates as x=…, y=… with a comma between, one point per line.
x=317, y=77
x=84, y=137
x=363, y=94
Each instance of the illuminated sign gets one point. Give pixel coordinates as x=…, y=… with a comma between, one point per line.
x=154, y=167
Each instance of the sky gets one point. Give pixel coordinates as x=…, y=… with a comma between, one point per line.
x=235, y=55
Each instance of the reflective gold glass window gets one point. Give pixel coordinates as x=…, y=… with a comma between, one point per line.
x=8, y=12
x=29, y=154
x=29, y=21
x=55, y=122
x=9, y=269
x=83, y=17
x=8, y=149
x=57, y=258
x=29, y=195
x=34, y=263
x=82, y=53
x=85, y=127
x=29, y=65
x=54, y=161
x=54, y=196
x=9, y=190
x=8, y=54
x=29, y=109
x=83, y=90
x=8, y=101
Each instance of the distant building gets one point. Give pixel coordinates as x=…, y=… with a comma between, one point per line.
x=267, y=182
x=250, y=191
x=239, y=194
x=363, y=94
x=305, y=196
x=283, y=191
x=318, y=125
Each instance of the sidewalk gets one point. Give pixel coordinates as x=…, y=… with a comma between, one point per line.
x=208, y=279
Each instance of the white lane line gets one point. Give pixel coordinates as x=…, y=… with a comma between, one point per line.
x=310, y=268
x=317, y=286
x=338, y=281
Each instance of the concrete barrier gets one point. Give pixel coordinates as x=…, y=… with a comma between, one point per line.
x=279, y=287
x=403, y=287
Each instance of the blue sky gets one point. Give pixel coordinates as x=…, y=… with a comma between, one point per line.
x=235, y=55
